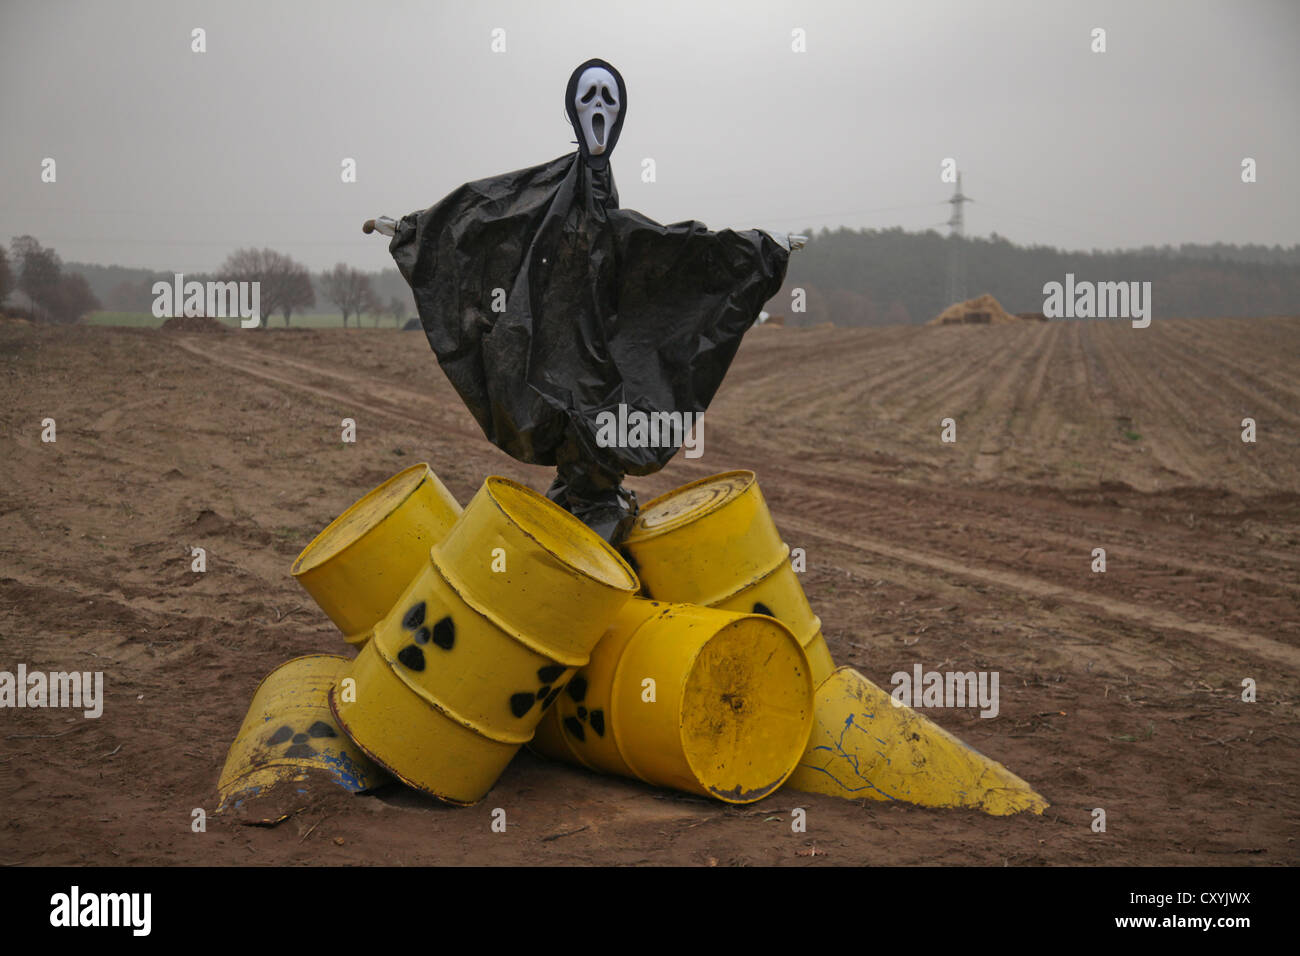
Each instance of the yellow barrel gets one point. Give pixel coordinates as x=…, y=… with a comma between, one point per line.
x=358, y=566
x=289, y=730
x=506, y=608
x=867, y=745
x=713, y=542
x=704, y=701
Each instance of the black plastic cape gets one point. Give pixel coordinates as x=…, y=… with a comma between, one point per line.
x=547, y=304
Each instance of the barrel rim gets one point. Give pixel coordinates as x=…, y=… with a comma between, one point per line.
x=632, y=581
x=636, y=535
x=241, y=784
x=279, y=667
x=615, y=708
x=679, y=697
x=553, y=713
x=303, y=564
x=691, y=757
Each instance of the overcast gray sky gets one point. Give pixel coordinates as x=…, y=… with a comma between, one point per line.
x=170, y=159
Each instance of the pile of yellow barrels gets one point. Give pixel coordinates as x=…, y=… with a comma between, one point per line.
x=691, y=660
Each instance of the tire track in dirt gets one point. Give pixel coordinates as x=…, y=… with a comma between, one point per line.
x=122, y=613
x=1154, y=618
x=1034, y=371
x=1046, y=520
x=1014, y=528
x=833, y=510
x=1046, y=512
x=288, y=372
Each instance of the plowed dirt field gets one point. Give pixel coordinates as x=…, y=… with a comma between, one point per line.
x=1119, y=690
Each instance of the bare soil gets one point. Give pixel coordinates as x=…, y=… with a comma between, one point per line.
x=1120, y=690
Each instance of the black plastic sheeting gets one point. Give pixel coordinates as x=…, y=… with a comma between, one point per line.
x=547, y=305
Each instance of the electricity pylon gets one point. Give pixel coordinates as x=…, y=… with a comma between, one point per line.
x=957, y=250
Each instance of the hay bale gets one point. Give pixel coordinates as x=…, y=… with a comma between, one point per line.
x=984, y=310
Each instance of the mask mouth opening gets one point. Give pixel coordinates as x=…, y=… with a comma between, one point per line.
x=598, y=128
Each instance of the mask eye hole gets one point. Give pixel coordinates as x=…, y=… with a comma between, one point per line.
x=608, y=96
x=589, y=94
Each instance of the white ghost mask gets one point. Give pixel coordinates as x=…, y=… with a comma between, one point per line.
x=596, y=103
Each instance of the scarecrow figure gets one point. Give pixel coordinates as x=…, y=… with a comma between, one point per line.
x=548, y=305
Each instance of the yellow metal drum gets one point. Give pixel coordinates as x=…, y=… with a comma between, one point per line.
x=867, y=746
x=358, y=566
x=506, y=608
x=687, y=697
x=289, y=730
x=713, y=542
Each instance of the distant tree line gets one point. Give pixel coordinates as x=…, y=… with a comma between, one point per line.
x=892, y=277
x=287, y=288
x=53, y=295
x=849, y=278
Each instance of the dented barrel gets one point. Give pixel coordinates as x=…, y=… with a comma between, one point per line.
x=713, y=542
x=506, y=608
x=358, y=566
x=700, y=700
x=289, y=730
x=867, y=745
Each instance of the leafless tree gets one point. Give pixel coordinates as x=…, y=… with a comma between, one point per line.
x=374, y=306
x=54, y=296
x=6, y=277
x=39, y=272
x=285, y=285
x=397, y=309
x=349, y=289
x=298, y=293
